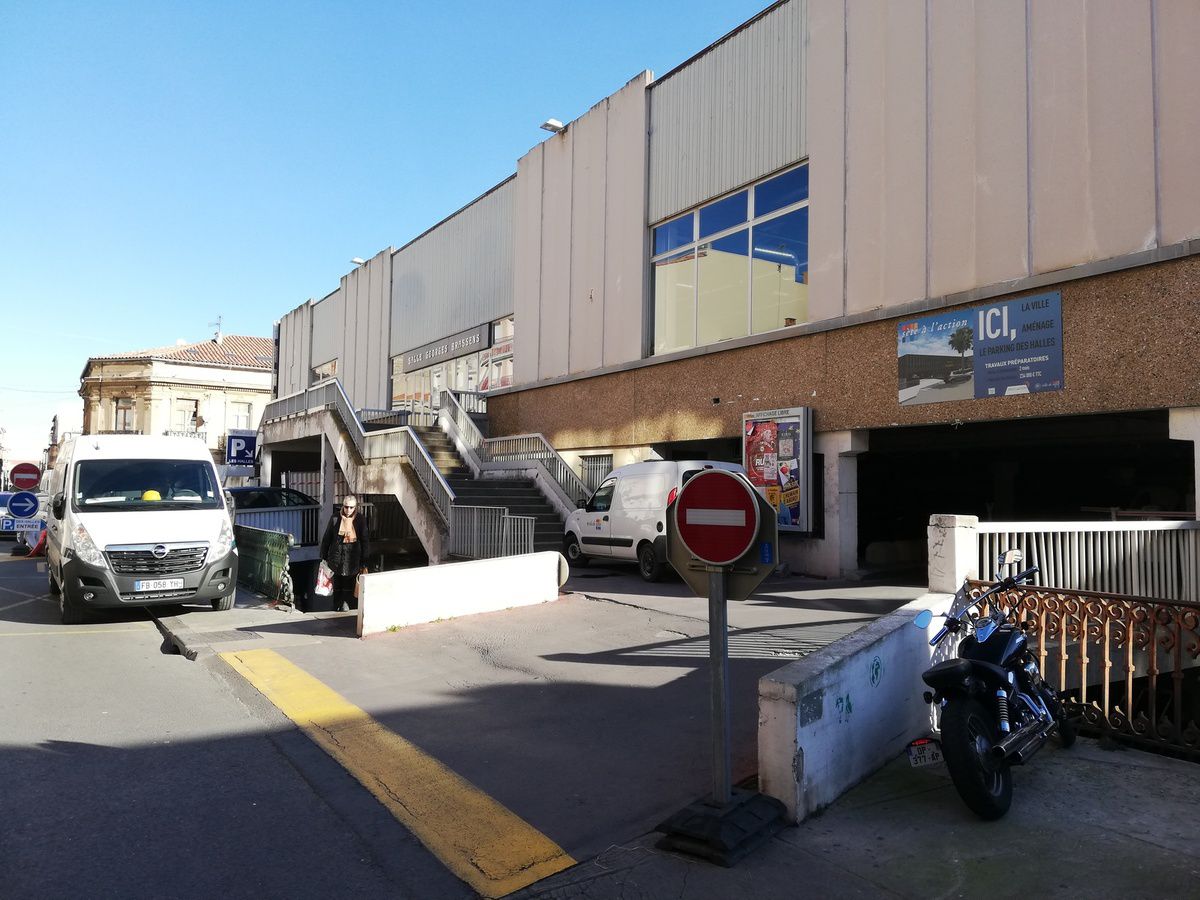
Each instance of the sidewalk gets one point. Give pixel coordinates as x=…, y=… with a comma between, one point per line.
x=253, y=622
x=1088, y=821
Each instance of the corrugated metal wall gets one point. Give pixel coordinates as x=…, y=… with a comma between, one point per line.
x=733, y=115
x=363, y=364
x=457, y=276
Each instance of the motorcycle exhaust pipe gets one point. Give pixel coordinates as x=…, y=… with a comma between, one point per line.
x=1020, y=745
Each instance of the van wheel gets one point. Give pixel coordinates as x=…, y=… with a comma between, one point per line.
x=220, y=604
x=573, y=552
x=72, y=610
x=648, y=563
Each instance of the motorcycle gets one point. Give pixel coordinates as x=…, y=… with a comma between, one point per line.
x=996, y=709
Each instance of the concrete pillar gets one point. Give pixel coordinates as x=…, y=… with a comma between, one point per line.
x=953, y=552
x=1184, y=425
x=328, y=485
x=836, y=555
x=265, y=473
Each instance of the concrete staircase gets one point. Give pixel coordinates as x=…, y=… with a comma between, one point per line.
x=519, y=495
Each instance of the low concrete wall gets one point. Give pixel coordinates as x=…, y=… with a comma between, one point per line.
x=411, y=596
x=827, y=721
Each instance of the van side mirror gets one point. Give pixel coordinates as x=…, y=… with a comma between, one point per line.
x=59, y=505
x=582, y=502
x=228, y=500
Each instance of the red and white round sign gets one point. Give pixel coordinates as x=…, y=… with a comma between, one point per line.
x=716, y=517
x=25, y=476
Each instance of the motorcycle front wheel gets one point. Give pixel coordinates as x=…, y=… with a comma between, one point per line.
x=968, y=733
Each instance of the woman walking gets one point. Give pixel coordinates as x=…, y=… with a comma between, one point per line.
x=344, y=549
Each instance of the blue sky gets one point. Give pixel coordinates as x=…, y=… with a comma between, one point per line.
x=164, y=163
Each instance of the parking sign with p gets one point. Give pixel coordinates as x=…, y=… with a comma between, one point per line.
x=240, y=449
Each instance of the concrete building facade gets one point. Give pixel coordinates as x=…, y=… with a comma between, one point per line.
x=803, y=215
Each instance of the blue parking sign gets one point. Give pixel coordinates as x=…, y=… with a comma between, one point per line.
x=240, y=449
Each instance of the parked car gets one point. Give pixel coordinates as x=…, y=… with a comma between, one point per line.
x=268, y=498
x=625, y=519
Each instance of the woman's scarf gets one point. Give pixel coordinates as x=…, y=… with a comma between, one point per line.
x=346, y=530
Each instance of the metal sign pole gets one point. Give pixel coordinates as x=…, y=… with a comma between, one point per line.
x=718, y=655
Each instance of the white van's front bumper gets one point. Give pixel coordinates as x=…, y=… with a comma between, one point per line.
x=100, y=586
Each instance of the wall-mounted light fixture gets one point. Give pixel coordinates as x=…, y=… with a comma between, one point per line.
x=553, y=125
x=358, y=261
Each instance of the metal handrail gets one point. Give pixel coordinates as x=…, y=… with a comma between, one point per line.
x=329, y=394
x=516, y=448
x=535, y=448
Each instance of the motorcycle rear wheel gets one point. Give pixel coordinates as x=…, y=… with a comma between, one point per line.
x=968, y=733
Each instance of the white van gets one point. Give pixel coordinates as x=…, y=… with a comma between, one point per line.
x=626, y=517
x=137, y=520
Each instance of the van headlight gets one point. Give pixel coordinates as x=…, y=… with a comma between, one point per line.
x=224, y=542
x=85, y=548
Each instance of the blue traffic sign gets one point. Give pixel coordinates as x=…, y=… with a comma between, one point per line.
x=23, y=505
x=240, y=449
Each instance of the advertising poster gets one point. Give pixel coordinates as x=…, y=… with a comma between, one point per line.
x=997, y=350
x=777, y=455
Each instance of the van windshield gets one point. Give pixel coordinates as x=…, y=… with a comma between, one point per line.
x=125, y=484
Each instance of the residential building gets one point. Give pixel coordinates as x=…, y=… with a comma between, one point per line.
x=206, y=390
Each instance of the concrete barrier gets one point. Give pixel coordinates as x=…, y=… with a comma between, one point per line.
x=412, y=596
x=827, y=721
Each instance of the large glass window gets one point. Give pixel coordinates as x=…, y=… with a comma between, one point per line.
x=721, y=302
x=780, y=292
x=675, y=302
x=720, y=275
x=123, y=418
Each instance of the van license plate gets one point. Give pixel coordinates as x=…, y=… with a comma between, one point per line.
x=159, y=584
x=927, y=753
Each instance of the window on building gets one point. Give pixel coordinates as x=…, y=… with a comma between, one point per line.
x=239, y=415
x=123, y=414
x=323, y=371
x=183, y=415
x=733, y=267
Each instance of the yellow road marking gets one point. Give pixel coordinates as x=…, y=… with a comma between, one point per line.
x=478, y=839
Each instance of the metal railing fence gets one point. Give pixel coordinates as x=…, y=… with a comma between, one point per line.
x=301, y=522
x=1153, y=559
x=1129, y=667
x=329, y=394
x=517, y=448
x=486, y=532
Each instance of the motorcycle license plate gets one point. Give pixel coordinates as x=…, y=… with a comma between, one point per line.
x=927, y=753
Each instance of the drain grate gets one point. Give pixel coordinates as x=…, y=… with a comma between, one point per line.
x=218, y=637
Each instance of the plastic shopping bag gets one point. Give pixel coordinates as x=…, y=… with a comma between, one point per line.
x=324, y=580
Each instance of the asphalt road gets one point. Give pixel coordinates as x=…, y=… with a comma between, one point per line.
x=126, y=771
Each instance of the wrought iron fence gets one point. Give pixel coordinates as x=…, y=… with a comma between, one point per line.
x=1157, y=559
x=1129, y=667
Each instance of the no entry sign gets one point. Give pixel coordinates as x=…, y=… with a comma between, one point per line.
x=717, y=517
x=25, y=476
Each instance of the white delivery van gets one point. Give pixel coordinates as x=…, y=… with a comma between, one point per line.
x=626, y=518
x=137, y=520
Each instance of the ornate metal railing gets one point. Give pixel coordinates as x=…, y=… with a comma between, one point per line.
x=1129, y=667
x=181, y=432
x=1154, y=559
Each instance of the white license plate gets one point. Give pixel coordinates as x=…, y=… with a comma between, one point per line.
x=926, y=754
x=159, y=584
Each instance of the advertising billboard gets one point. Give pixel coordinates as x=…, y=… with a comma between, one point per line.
x=998, y=350
x=777, y=455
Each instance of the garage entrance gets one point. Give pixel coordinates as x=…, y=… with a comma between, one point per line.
x=1070, y=468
